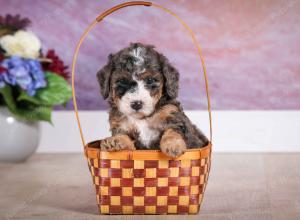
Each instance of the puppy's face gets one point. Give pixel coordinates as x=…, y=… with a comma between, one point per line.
x=136, y=94
x=136, y=78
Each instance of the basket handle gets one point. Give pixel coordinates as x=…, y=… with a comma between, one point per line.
x=108, y=12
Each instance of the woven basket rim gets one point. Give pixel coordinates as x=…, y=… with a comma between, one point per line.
x=191, y=154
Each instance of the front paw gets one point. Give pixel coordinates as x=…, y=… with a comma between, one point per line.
x=172, y=143
x=117, y=143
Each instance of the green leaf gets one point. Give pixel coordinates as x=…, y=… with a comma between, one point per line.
x=57, y=92
x=7, y=95
x=35, y=113
x=27, y=111
x=31, y=99
x=38, y=107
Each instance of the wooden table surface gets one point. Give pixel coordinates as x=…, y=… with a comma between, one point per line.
x=241, y=186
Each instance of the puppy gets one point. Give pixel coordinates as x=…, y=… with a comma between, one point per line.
x=141, y=87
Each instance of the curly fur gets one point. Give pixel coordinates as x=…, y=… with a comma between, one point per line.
x=135, y=65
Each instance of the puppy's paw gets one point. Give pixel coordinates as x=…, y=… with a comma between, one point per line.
x=117, y=143
x=172, y=143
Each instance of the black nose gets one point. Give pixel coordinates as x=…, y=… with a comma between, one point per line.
x=136, y=105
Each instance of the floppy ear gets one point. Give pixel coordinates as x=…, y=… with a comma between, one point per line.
x=104, y=76
x=171, y=77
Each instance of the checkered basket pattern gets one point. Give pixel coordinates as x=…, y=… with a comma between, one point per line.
x=148, y=182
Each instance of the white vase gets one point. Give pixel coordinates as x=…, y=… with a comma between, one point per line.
x=18, y=139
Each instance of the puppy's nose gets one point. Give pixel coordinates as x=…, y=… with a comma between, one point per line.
x=136, y=105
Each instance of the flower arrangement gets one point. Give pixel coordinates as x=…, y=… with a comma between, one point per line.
x=30, y=83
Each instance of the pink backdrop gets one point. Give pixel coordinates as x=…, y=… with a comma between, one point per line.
x=252, y=48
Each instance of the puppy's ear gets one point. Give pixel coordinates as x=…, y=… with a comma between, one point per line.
x=104, y=76
x=171, y=77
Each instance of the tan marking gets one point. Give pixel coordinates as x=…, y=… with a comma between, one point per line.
x=157, y=93
x=172, y=143
x=115, y=98
x=162, y=115
x=146, y=74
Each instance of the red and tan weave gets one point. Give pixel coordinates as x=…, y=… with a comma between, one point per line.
x=146, y=186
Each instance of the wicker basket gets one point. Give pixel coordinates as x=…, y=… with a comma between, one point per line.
x=146, y=182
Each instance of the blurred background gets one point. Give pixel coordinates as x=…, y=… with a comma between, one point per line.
x=251, y=49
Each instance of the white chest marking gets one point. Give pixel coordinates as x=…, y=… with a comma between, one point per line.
x=146, y=134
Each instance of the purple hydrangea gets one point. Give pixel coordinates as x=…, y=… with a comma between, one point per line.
x=25, y=73
x=2, y=84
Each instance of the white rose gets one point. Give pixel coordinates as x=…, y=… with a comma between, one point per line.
x=22, y=43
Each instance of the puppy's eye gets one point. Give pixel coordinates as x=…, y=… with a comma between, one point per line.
x=123, y=85
x=122, y=81
x=150, y=80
